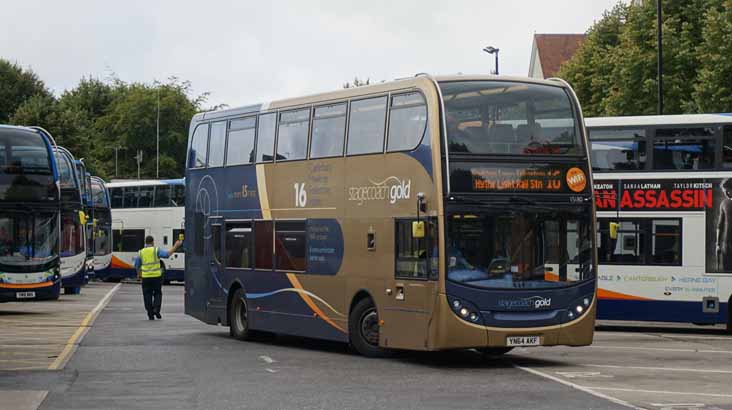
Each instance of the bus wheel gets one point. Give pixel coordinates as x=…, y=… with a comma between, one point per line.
x=238, y=316
x=494, y=351
x=363, y=329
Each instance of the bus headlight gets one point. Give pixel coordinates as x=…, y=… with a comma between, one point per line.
x=579, y=307
x=465, y=310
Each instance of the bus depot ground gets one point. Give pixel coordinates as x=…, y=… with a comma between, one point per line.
x=97, y=350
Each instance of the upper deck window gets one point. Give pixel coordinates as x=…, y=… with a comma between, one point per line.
x=618, y=149
x=99, y=195
x=407, y=121
x=329, y=130
x=499, y=117
x=65, y=172
x=727, y=147
x=366, y=130
x=23, y=152
x=292, y=137
x=683, y=148
x=265, y=137
x=199, y=147
x=240, y=147
x=216, y=145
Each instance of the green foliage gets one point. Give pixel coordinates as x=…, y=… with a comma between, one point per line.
x=615, y=70
x=357, y=83
x=96, y=116
x=16, y=86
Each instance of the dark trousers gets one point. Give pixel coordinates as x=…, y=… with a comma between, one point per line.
x=152, y=293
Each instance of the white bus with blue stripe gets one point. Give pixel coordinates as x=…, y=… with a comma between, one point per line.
x=141, y=208
x=664, y=183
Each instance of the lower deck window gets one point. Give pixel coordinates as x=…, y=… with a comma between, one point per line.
x=239, y=245
x=128, y=240
x=640, y=241
x=290, y=249
x=415, y=257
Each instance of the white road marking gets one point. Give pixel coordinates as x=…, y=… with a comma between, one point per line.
x=578, y=387
x=583, y=375
x=676, y=393
x=665, y=369
x=270, y=370
x=659, y=349
x=267, y=359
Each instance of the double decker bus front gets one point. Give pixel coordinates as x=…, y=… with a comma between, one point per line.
x=29, y=216
x=519, y=242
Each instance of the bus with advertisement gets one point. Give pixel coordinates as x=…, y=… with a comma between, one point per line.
x=141, y=208
x=663, y=188
x=102, y=227
x=73, y=224
x=426, y=213
x=29, y=215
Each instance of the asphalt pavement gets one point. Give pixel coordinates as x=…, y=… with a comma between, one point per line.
x=128, y=362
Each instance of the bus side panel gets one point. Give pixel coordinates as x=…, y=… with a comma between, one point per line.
x=196, y=227
x=659, y=311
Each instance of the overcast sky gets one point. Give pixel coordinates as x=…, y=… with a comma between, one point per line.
x=244, y=52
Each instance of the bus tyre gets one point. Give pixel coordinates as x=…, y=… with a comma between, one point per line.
x=363, y=329
x=239, y=317
x=494, y=351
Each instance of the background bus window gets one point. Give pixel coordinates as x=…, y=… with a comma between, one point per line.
x=329, y=130
x=131, y=196
x=176, y=236
x=146, y=196
x=263, y=245
x=627, y=249
x=290, y=249
x=117, y=195
x=239, y=245
x=199, y=147
x=217, y=144
x=71, y=234
x=407, y=121
x=618, y=155
x=265, y=137
x=128, y=240
x=727, y=147
x=178, y=193
x=240, y=145
x=292, y=135
x=666, y=242
x=162, y=196
x=683, y=148
x=415, y=256
x=366, y=129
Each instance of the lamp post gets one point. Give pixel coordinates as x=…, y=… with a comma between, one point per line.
x=493, y=50
x=659, y=40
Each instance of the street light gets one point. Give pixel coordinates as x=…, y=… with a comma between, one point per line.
x=493, y=50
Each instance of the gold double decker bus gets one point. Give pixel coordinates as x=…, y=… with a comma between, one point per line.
x=426, y=213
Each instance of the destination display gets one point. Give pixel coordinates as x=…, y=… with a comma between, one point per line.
x=534, y=178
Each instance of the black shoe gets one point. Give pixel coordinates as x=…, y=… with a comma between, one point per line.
x=157, y=315
x=150, y=317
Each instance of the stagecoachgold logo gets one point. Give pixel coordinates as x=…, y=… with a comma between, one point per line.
x=391, y=189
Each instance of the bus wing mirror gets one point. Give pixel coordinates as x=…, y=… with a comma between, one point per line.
x=614, y=230
x=418, y=229
x=82, y=217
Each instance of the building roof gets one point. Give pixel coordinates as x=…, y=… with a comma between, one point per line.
x=554, y=49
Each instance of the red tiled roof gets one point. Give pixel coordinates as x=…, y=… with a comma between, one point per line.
x=555, y=49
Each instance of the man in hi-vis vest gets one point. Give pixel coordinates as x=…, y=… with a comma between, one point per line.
x=149, y=270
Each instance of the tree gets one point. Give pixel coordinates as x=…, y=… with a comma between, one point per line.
x=615, y=71
x=357, y=83
x=713, y=88
x=16, y=86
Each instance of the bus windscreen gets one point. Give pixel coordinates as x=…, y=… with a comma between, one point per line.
x=501, y=117
x=523, y=247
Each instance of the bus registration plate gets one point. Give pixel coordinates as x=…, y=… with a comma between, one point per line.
x=523, y=341
x=25, y=295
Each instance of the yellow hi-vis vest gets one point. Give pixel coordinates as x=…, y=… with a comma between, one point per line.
x=149, y=262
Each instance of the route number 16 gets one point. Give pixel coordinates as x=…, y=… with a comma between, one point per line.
x=301, y=196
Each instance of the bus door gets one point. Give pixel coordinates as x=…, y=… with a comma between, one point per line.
x=214, y=255
x=412, y=288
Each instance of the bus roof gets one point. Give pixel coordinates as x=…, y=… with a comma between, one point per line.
x=144, y=182
x=648, y=120
x=398, y=84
